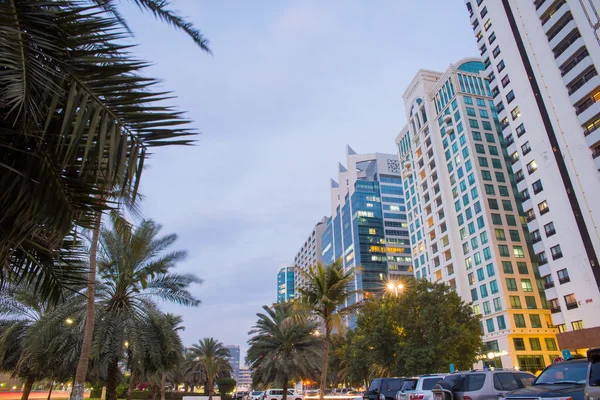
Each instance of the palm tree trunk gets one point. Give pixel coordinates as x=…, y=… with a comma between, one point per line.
x=88, y=333
x=325, y=362
x=163, y=382
x=50, y=391
x=209, y=385
x=27, y=387
x=285, y=389
x=112, y=379
x=131, y=387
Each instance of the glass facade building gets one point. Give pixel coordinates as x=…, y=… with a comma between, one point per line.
x=285, y=283
x=368, y=228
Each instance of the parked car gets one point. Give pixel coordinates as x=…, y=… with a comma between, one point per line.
x=565, y=379
x=383, y=389
x=419, y=388
x=240, y=395
x=592, y=386
x=255, y=395
x=277, y=394
x=481, y=384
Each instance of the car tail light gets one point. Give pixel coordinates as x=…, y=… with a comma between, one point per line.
x=467, y=398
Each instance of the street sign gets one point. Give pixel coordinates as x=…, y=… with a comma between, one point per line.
x=451, y=368
x=567, y=354
x=558, y=359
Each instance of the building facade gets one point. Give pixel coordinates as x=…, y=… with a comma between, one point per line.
x=368, y=229
x=310, y=252
x=464, y=219
x=285, y=283
x=244, y=381
x=234, y=360
x=542, y=58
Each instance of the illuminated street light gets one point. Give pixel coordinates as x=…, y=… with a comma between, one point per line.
x=68, y=321
x=395, y=287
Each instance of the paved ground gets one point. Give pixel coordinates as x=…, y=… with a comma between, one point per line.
x=37, y=395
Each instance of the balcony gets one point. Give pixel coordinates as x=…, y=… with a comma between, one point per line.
x=544, y=211
x=572, y=306
x=545, y=270
x=551, y=293
x=509, y=141
x=555, y=310
x=559, y=11
x=554, y=21
x=596, y=155
x=590, y=114
x=584, y=86
x=575, y=67
x=564, y=279
x=519, y=178
x=564, y=32
x=530, y=218
x=593, y=138
x=568, y=53
x=536, y=239
x=548, y=285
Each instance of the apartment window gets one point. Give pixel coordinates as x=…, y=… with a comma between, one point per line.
x=526, y=285
x=542, y=259
x=551, y=344
x=556, y=252
x=489, y=189
x=496, y=219
x=571, y=301
x=500, y=234
x=514, y=235
x=486, y=308
x=508, y=269
x=530, y=301
x=490, y=325
x=525, y=148
x=577, y=325
x=501, y=321
x=490, y=267
x=561, y=328
x=549, y=228
x=534, y=343
x=505, y=81
x=507, y=205
x=497, y=304
x=511, y=283
x=510, y=96
x=484, y=12
x=499, y=176
x=503, y=250
x=496, y=53
x=483, y=114
x=537, y=186
x=531, y=167
x=520, y=129
x=543, y=207
x=519, y=176
x=515, y=113
x=514, y=157
x=522, y=267
x=530, y=215
x=536, y=236
x=487, y=24
x=520, y=321
x=503, y=190
x=473, y=123
x=500, y=67
x=519, y=344
x=511, y=220
x=524, y=195
x=493, y=203
x=515, y=302
x=563, y=276
x=492, y=38
x=483, y=290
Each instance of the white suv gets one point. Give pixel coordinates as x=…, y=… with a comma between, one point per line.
x=419, y=388
x=277, y=394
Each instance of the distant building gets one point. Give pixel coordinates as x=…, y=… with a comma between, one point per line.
x=310, y=252
x=244, y=380
x=368, y=227
x=234, y=360
x=285, y=283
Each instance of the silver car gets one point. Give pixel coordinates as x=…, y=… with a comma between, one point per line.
x=481, y=384
x=419, y=388
x=592, y=386
x=255, y=395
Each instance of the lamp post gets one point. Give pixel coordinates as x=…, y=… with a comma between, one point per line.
x=395, y=288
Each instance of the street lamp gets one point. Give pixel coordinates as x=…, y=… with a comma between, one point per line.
x=68, y=321
x=394, y=287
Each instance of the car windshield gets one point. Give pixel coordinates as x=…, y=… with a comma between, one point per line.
x=374, y=384
x=256, y=393
x=429, y=383
x=563, y=373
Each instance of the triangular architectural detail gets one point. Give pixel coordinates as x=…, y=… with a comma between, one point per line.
x=349, y=150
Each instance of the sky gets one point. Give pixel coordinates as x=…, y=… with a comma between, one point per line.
x=289, y=85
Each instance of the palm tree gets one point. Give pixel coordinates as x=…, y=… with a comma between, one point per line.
x=326, y=294
x=134, y=270
x=210, y=358
x=77, y=122
x=36, y=336
x=283, y=346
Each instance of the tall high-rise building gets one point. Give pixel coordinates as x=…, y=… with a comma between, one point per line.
x=285, y=283
x=234, y=360
x=465, y=223
x=542, y=59
x=310, y=252
x=368, y=226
